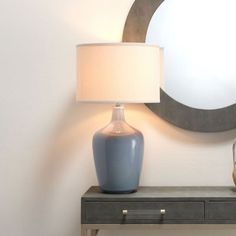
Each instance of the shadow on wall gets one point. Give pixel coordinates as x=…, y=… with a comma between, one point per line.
x=67, y=167
x=71, y=134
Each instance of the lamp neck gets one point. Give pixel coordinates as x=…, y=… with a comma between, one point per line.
x=118, y=113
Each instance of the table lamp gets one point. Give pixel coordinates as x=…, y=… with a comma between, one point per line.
x=118, y=73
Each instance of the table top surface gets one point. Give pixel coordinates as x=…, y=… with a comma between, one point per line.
x=192, y=192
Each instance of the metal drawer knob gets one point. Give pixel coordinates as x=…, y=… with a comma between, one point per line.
x=125, y=212
x=163, y=211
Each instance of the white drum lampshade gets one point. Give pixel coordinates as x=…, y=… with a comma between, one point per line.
x=118, y=73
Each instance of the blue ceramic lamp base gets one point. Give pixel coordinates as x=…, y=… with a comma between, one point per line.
x=118, y=154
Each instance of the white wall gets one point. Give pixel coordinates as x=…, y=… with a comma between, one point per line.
x=45, y=138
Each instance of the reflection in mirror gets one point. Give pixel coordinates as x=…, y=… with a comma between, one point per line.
x=199, y=40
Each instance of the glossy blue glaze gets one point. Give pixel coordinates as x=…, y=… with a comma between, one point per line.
x=118, y=159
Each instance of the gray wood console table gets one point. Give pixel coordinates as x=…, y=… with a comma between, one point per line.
x=159, y=207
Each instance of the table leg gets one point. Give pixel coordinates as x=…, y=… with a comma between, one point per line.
x=83, y=231
x=94, y=232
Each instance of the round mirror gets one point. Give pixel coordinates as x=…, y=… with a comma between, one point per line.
x=199, y=88
x=199, y=41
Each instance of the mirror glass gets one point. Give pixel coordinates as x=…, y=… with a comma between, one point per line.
x=199, y=41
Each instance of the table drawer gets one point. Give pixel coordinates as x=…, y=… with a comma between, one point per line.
x=221, y=210
x=145, y=212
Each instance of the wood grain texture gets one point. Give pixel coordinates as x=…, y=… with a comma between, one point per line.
x=201, y=120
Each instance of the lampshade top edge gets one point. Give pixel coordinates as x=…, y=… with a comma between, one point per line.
x=114, y=102
x=118, y=44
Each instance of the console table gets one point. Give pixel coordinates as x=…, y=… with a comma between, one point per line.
x=159, y=207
